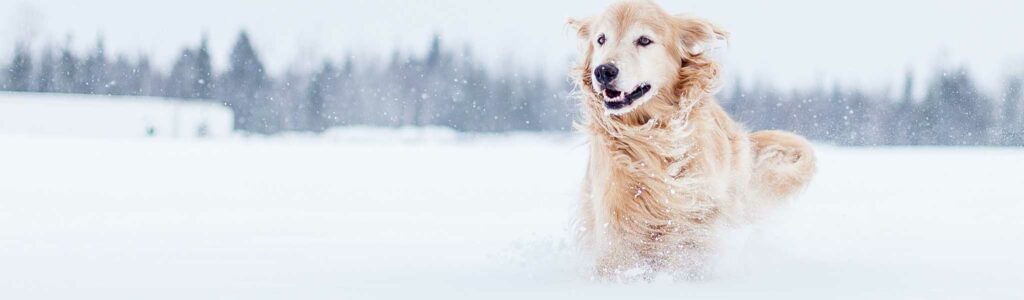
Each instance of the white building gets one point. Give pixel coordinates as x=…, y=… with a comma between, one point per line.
x=111, y=116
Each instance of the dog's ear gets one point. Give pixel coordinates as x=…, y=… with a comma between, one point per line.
x=581, y=26
x=698, y=35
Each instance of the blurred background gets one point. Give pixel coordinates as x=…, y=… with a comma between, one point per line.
x=856, y=73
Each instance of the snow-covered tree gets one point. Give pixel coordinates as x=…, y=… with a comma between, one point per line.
x=318, y=118
x=954, y=111
x=67, y=72
x=202, y=70
x=1012, y=123
x=902, y=117
x=180, y=81
x=19, y=72
x=93, y=77
x=245, y=87
x=45, y=80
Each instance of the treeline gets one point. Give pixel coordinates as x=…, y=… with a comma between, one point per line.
x=442, y=87
x=953, y=111
x=445, y=87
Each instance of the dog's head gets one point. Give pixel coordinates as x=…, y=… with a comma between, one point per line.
x=634, y=52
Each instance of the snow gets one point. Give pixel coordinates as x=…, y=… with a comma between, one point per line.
x=433, y=214
x=110, y=116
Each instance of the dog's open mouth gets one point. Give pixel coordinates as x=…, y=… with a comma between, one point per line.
x=614, y=99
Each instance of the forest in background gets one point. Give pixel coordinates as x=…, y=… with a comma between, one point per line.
x=451, y=88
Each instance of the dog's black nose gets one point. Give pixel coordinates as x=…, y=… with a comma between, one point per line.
x=606, y=73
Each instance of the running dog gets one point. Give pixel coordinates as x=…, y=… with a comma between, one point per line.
x=668, y=167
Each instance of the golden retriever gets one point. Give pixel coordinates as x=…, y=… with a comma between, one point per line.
x=668, y=167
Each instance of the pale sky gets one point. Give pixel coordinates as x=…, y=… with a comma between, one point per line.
x=785, y=42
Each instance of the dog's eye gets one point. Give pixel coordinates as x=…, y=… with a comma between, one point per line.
x=601, y=40
x=644, y=41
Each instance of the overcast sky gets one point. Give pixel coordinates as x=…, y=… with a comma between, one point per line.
x=786, y=42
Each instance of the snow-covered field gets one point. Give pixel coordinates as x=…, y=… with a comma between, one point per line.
x=401, y=215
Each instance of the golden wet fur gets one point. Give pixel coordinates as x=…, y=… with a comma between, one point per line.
x=664, y=177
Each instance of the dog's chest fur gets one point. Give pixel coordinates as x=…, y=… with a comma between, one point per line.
x=661, y=182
